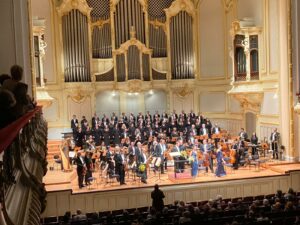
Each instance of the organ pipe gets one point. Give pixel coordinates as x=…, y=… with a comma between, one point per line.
x=181, y=40
x=76, y=47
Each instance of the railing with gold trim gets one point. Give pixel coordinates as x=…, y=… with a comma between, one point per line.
x=23, y=150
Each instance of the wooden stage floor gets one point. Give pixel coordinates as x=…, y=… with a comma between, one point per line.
x=60, y=181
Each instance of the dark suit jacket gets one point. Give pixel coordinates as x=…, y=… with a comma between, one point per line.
x=73, y=123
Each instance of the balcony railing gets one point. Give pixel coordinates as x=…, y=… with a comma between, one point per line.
x=23, y=149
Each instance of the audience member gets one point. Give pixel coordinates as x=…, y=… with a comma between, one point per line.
x=157, y=198
x=79, y=216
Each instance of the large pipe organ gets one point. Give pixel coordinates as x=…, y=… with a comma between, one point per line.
x=129, y=33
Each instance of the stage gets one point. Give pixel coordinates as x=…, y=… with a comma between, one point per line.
x=58, y=180
x=64, y=194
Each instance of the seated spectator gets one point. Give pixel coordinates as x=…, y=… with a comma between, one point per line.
x=290, y=195
x=16, y=73
x=289, y=206
x=185, y=218
x=79, y=216
x=276, y=207
x=4, y=77
x=66, y=218
x=230, y=207
x=262, y=217
x=7, y=104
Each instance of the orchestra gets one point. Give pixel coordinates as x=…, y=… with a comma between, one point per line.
x=136, y=144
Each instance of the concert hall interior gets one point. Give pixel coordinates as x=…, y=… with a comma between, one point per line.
x=201, y=97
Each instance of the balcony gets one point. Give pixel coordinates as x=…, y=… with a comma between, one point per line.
x=22, y=167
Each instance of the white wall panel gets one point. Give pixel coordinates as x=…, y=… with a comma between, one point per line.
x=274, y=35
x=213, y=102
x=252, y=9
x=234, y=105
x=183, y=103
x=132, y=104
x=270, y=104
x=212, y=38
x=51, y=113
x=156, y=101
x=107, y=102
x=80, y=109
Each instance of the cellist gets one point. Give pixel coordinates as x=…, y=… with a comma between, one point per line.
x=206, y=149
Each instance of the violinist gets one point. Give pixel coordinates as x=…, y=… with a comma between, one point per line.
x=207, y=149
x=81, y=169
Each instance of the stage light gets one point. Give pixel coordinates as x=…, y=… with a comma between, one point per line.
x=113, y=94
x=136, y=93
x=129, y=93
x=151, y=92
x=275, y=96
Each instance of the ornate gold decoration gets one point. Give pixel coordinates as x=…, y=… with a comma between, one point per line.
x=113, y=3
x=183, y=91
x=297, y=108
x=78, y=97
x=67, y=5
x=135, y=86
x=156, y=24
x=250, y=101
x=228, y=5
x=133, y=41
x=181, y=5
x=100, y=23
x=78, y=92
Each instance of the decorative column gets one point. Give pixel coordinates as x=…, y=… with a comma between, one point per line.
x=287, y=134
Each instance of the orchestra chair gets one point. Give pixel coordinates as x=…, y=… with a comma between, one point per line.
x=112, y=178
x=201, y=168
x=57, y=162
x=92, y=180
x=228, y=165
x=254, y=161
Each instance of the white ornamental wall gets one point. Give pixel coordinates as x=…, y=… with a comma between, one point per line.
x=185, y=103
x=155, y=101
x=82, y=108
x=212, y=51
x=107, y=102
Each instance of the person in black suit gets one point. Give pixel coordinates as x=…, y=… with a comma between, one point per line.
x=74, y=123
x=204, y=130
x=157, y=198
x=159, y=154
x=119, y=159
x=116, y=135
x=254, y=141
x=243, y=135
x=79, y=138
x=179, y=166
x=81, y=169
x=274, y=138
